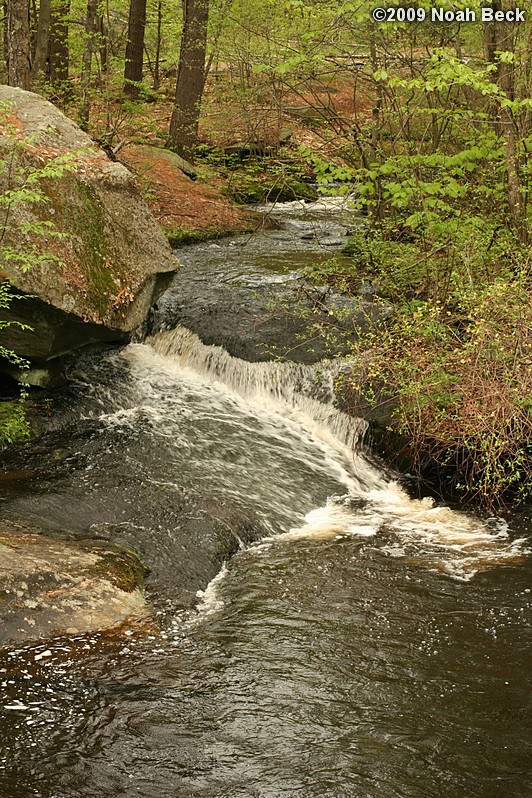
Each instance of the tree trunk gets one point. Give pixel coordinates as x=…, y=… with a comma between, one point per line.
x=135, y=47
x=33, y=21
x=516, y=200
x=5, y=56
x=91, y=31
x=40, y=61
x=103, y=43
x=499, y=37
x=376, y=156
x=157, y=65
x=59, y=52
x=18, y=44
x=183, y=134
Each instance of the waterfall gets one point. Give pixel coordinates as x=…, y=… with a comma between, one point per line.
x=454, y=542
x=303, y=392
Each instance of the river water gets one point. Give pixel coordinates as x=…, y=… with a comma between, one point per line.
x=359, y=644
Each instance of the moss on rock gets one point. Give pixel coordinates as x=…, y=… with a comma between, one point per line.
x=52, y=586
x=90, y=247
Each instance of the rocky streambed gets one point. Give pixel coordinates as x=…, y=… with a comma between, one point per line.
x=78, y=557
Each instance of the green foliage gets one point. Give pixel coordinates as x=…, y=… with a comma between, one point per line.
x=329, y=175
x=267, y=179
x=22, y=188
x=22, y=181
x=406, y=264
x=452, y=346
x=6, y=295
x=458, y=373
x=14, y=426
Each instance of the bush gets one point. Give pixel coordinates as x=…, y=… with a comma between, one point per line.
x=462, y=382
x=13, y=423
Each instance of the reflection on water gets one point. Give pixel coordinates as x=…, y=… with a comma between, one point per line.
x=328, y=668
x=367, y=646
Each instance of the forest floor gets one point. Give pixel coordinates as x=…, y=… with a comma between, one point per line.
x=204, y=207
x=186, y=209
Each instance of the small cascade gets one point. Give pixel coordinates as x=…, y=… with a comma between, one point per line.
x=376, y=506
x=301, y=392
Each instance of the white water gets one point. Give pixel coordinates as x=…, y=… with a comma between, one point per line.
x=291, y=387
x=455, y=543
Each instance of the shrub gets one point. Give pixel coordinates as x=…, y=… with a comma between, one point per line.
x=462, y=381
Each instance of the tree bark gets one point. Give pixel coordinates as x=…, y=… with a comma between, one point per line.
x=103, y=43
x=18, y=43
x=516, y=200
x=157, y=64
x=42, y=38
x=135, y=47
x=183, y=133
x=5, y=52
x=91, y=31
x=58, y=45
x=499, y=37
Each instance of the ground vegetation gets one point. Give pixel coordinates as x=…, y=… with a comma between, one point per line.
x=425, y=124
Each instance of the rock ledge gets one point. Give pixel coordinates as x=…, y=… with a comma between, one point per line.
x=52, y=586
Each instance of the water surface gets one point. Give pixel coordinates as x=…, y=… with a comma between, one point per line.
x=366, y=645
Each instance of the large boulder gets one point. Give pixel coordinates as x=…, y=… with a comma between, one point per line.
x=97, y=280
x=56, y=586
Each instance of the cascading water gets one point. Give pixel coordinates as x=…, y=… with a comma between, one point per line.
x=359, y=643
x=455, y=543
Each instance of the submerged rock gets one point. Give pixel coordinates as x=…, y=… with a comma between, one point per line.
x=97, y=280
x=53, y=586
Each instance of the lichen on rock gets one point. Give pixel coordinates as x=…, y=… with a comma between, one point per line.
x=111, y=259
x=52, y=586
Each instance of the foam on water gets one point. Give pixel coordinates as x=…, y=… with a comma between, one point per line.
x=439, y=538
x=210, y=600
x=455, y=543
x=288, y=389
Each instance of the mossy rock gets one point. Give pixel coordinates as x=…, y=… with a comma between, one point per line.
x=250, y=193
x=54, y=586
x=120, y=566
x=96, y=254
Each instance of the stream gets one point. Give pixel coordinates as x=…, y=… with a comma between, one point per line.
x=358, y=643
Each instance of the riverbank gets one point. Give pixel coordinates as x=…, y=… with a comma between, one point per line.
x=450, y=360
x=189, y=209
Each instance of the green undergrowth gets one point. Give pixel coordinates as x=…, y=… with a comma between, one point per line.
x=276, y=177
x=14, y=426
x=451, y=348
x=249, y=189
